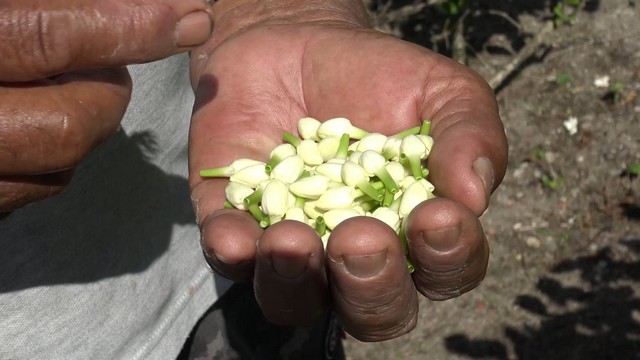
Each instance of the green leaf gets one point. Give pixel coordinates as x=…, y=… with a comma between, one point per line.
x=634, y=169
x=563, y=79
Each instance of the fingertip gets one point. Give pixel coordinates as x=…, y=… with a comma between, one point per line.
x=290, y=280
x=228, y=242
x=373, y=293
x=448, y=248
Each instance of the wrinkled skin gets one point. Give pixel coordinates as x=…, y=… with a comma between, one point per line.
x=63, y=87
x=258, y=83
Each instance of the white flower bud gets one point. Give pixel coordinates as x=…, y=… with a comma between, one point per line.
x=336, y=198
x=396, y=170
x=328, y=147
x=251, y=175
x=334, y=217
x=275, y=199
x=388, y=217
x=427, y=185
x=412, y=196
x=310, y=187
x=339, y=126
x=283, y=151
x=372, y=162
x=428, y=143
x=413, y=147
x=355, y=156
x=297, y=214
x=236, y=192
x=353, y=174
x=332, y=170
x=311, y=210
x=308, y=128
x=372, y=141
x=391, y=148
x=289, y=169
x=309, y=152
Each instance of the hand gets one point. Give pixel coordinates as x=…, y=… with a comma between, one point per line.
x=256, y=84
x=63, y=89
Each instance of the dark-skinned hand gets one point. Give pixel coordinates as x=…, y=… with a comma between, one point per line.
x=63, y=87
x=257, y=83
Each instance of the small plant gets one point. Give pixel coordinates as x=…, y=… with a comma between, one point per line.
x=616, y=90
x=552, y=183
x=453, y=7
x=563, y=79
x=565, y=12
x=634, y=169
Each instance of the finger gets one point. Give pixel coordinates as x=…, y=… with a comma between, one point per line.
x=42, y=38
x=469, y=156
x=229, y=243
x=448, y=248
x=290, y=282
x=18, y=191
x=52, y=125
x=372, y=290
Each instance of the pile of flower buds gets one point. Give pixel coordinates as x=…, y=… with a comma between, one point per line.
x=333, y=172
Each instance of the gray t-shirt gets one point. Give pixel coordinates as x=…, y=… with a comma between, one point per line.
x=112, y=267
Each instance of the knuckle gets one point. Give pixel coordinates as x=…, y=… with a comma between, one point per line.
x=39, y=39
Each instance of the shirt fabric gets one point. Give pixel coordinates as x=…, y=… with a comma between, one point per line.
x=112, y=268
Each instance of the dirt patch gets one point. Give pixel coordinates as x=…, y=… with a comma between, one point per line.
x=564, y=227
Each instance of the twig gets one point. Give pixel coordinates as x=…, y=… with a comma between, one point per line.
x=540, y=40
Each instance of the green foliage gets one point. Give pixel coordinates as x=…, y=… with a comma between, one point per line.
x=453, y=7
x=563, y=79
x=616, y=89
x=565, y=12
x=552, y=183
x=634, y=169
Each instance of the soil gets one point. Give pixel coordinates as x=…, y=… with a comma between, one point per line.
x=564, y=226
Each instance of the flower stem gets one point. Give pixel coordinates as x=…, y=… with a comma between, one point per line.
x=387, y=180
x=425, y=129
x=254, y=198
x=228, y=205
x=414, y=164
x=291, y=139
x=343, y=147
x=367, y=188
x=411, y=131
x=388, y=198
x=224, y=171
x=321, y=226
x=257, y=214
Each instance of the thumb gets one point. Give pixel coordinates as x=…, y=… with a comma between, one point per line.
x=42, y=38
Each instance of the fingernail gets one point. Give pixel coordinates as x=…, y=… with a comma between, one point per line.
x=194, y=29
x=483, y=168
x=289, y=267
x=442, y=240
x=365, y=266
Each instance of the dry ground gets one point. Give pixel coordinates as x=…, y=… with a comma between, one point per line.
x=564, y=227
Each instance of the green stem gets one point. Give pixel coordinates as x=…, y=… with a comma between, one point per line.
x=254, y=198
x=388, y=198
x=228, y=205
x=257, y=214
x=367, y=188
x=343, y=147
x=299, y=203
x=405, y=133
x=414, y=164
x=387, y=180
x=291, y=139
x=224, y=171
x=321, y=226
x=425, y=129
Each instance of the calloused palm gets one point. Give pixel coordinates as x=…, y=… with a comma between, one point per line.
x=258, y=84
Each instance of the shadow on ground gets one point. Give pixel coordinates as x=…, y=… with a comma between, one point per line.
x=598, y=320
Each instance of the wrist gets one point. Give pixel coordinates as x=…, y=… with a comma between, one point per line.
x=234, y=16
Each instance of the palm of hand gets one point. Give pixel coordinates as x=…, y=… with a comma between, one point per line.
x=258, y=84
